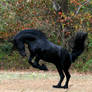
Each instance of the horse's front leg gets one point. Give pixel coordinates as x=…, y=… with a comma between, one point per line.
x=30, y=59
x=34, y=64
x=37, y=65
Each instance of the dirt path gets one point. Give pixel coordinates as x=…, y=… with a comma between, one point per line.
x=42, y=82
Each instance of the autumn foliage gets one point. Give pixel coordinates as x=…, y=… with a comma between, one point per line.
x=24, y=14
x=17, y=15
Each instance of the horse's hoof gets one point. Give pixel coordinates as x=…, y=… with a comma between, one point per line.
x=43, y=67
x=58, y=86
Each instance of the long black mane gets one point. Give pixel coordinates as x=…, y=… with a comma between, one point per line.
x=32, y=32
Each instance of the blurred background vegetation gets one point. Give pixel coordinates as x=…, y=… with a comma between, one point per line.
x=58, y=23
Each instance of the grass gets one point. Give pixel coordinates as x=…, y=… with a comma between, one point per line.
x=26, y=75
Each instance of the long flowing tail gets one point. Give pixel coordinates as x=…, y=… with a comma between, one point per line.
x=79, y=45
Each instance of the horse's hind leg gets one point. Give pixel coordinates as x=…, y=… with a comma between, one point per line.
x=59, y=68
x=67, y=78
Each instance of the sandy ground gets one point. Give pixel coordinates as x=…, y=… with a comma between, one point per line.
x=42, y=82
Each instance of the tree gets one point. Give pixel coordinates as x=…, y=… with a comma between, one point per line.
x=61, y=5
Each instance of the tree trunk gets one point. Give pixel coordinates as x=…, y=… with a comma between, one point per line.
x=61, y=5
x=64, y=6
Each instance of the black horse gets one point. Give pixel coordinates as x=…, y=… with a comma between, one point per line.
x=41, y=48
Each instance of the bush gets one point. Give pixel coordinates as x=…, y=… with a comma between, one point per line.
x=6, y=47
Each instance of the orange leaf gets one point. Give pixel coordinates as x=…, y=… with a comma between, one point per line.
x=59, y=13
